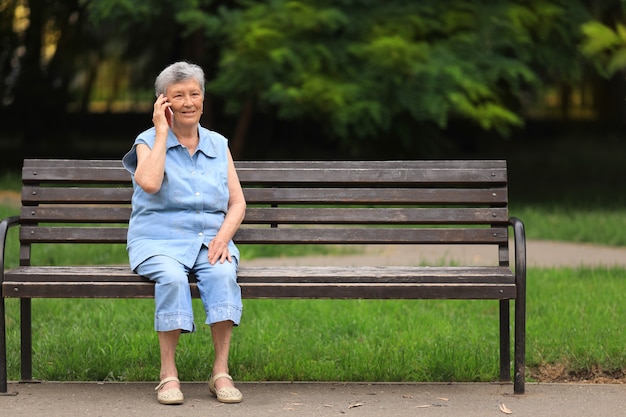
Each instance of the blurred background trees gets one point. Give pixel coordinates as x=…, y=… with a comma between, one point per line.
x=309, y=78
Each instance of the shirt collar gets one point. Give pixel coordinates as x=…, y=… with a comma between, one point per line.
x=205, y=144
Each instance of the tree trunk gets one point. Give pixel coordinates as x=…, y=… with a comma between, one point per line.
x=31, y=92
x=239, y=138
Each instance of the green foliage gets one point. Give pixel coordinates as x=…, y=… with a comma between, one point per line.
x=360, y=66
x=606, y=46
x=362, y=69
x=130, y=13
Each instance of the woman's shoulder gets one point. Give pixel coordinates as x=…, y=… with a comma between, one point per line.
x=148, y=137
x=212, y=143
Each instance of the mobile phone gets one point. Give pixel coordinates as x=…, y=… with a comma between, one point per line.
x=169, y=116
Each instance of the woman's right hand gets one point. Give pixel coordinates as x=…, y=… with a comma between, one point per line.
x=162, y=116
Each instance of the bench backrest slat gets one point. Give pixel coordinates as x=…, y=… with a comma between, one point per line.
x=41, y=234
x=391, y=215
x=365, y=177
x=33, y=195
x=73, y=214
x=33, y=163
x=373, y=236
x=44, y=234
x=400, y=216
x=94, y=175
x=394, y=164
x=384, y=196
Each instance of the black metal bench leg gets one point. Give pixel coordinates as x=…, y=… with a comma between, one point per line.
x=27, y=339
x=4, y=386
x=520, y=306
x=505, y=341
x=3, y=350
x=520, y=340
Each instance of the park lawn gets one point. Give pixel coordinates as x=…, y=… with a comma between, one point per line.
x=575, y=323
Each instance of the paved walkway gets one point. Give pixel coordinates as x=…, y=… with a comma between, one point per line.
x=539, y=254
x=323, y=399
x=276, y=399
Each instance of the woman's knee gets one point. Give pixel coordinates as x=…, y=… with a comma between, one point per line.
x=218, y=283
x=164, y=271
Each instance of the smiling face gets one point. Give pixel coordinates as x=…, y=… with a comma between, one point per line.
x=187, y=102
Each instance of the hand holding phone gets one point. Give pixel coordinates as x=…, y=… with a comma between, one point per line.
x=162, y=108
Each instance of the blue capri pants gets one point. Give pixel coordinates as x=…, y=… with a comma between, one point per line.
x=217, y=284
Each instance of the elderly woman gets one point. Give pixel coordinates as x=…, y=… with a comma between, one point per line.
x=186, y=207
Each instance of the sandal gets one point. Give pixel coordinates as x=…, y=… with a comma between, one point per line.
x=225, y=394
x=171, y=396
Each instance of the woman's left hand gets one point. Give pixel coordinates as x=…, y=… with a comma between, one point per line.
x=218, y=251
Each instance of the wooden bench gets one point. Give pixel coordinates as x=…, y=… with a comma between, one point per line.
x=289, y=202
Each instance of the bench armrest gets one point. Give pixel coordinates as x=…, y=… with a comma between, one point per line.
x=519, y=238
x=5, y=225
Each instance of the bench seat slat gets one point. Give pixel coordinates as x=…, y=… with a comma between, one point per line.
x=273, y=290
x=379, y=291
x=286, y=274
x=281, y=282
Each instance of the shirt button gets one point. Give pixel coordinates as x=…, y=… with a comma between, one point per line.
x=200, y=234
x=197, y=193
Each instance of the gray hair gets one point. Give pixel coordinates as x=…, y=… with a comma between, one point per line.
x=178, y=72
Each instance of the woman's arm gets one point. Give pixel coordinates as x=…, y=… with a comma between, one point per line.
x=151, y=162
x=218, y=248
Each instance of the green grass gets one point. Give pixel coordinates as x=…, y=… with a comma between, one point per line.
x=575, y=318
x=603, y=225
x=10, y=181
